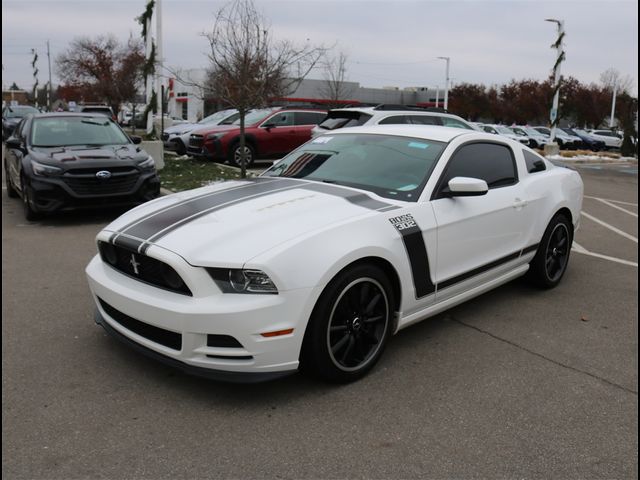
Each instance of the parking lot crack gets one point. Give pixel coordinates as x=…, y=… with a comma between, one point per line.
x=556, y=362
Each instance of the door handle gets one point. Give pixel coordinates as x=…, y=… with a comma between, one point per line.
x=518, y=203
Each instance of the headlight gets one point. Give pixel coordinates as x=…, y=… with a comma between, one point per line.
x=215, y=136
x=235, y=280
x=42, y=169
x=147, y=164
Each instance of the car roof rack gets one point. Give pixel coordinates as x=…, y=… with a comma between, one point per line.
x=390, y=106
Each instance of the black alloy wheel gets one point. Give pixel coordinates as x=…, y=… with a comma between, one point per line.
x=350, y=325
x=557, y=252
x=550, y=262
x=357, y=324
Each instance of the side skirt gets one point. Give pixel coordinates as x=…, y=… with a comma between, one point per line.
x=461, y=298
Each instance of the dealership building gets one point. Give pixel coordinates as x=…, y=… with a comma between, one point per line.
x=187, y=101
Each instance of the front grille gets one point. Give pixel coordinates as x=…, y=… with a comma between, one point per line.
x=158, y=335
x=165, y=137
x=85, y=182
x=143, y=268
x=196, y=141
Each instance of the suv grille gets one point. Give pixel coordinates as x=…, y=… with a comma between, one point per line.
x=159, y=335
x=84, y=181
x=143, y=268
x=196, y=141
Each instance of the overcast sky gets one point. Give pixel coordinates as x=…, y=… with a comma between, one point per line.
x=388, y=43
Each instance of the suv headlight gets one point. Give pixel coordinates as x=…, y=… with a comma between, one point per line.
x=215, y=136
x=42, y=169
x=147, y=164
x=236, y=280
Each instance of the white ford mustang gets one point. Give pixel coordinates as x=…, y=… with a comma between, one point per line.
x=316, y=263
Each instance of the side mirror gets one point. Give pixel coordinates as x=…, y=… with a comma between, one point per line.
x=269, y=126
x=538, y=166
x=466, y=187
x=14, y=142
x=135, y=139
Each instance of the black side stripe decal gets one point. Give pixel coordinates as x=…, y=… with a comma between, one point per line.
x=417, y=253
x=485, y=268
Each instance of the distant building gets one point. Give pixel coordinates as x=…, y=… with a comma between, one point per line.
x=188, y=102
x=21, y=97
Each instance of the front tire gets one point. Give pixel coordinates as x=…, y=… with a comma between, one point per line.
x=11, y=191
x=349, y=326
x=235, y=155
x=29, y=212
x=550, y=263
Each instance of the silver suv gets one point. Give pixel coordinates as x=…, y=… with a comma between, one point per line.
x=388, y=115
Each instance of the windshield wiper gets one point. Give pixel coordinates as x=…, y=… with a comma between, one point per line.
x=92, y=122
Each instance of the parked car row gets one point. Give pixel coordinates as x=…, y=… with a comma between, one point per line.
x=276, y=131
x=566, y=138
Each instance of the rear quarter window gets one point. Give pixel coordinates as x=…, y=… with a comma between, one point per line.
x=535, y=163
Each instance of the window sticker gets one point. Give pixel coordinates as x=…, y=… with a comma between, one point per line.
x=322, y=140
x=419, y=145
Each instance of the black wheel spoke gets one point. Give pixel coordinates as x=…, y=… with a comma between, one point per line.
x=338, y=328
x=369, y=337
x=347, y=350
x=373, y=319
x=340, y=343
x=372, y=304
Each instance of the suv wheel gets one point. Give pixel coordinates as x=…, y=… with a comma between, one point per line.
x=29, y=212
x=235, y=155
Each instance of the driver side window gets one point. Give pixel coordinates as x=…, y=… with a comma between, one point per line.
x=281, y=119
x=493, y=163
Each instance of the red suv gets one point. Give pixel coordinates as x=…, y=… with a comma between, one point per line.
x=269, y=132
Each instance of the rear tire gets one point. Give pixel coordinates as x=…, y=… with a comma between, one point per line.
x=550, y=263
x=350, y=325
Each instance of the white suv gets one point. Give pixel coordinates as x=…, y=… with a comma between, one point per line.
x=610, y=139
x=388, y=115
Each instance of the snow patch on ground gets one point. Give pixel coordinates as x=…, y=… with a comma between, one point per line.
x=591, y=158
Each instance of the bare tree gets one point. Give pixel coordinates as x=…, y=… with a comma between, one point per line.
x=104, y=67
x=612, y=77
x=249, y=67
x=335, y=87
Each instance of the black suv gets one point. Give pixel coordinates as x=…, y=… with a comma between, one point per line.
x=60, y=161
x=11, y=116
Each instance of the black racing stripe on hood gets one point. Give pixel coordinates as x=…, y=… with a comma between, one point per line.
x=138, y=221
x=238, y=197
x=157, y=221
x=356, y=198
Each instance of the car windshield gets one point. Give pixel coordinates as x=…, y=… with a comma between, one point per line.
x=568, y=131
x=390, y=166
x=68, y=131
x=19, y=112
x=518, y=131
x=533, y=131
x=219, y=116
x=505, y=130
x=255, y=116
x=581, y=132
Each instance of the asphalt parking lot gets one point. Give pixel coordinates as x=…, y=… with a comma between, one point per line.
x=518, y=383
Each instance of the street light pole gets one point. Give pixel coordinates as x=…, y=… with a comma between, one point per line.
x=437, y=95
x=553, y=116
x=613, y=103
x=446, y=84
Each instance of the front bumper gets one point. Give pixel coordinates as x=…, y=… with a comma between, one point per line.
x=207, y=313
x=51, y=194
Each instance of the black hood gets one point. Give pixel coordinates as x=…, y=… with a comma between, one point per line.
x=86, y=157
